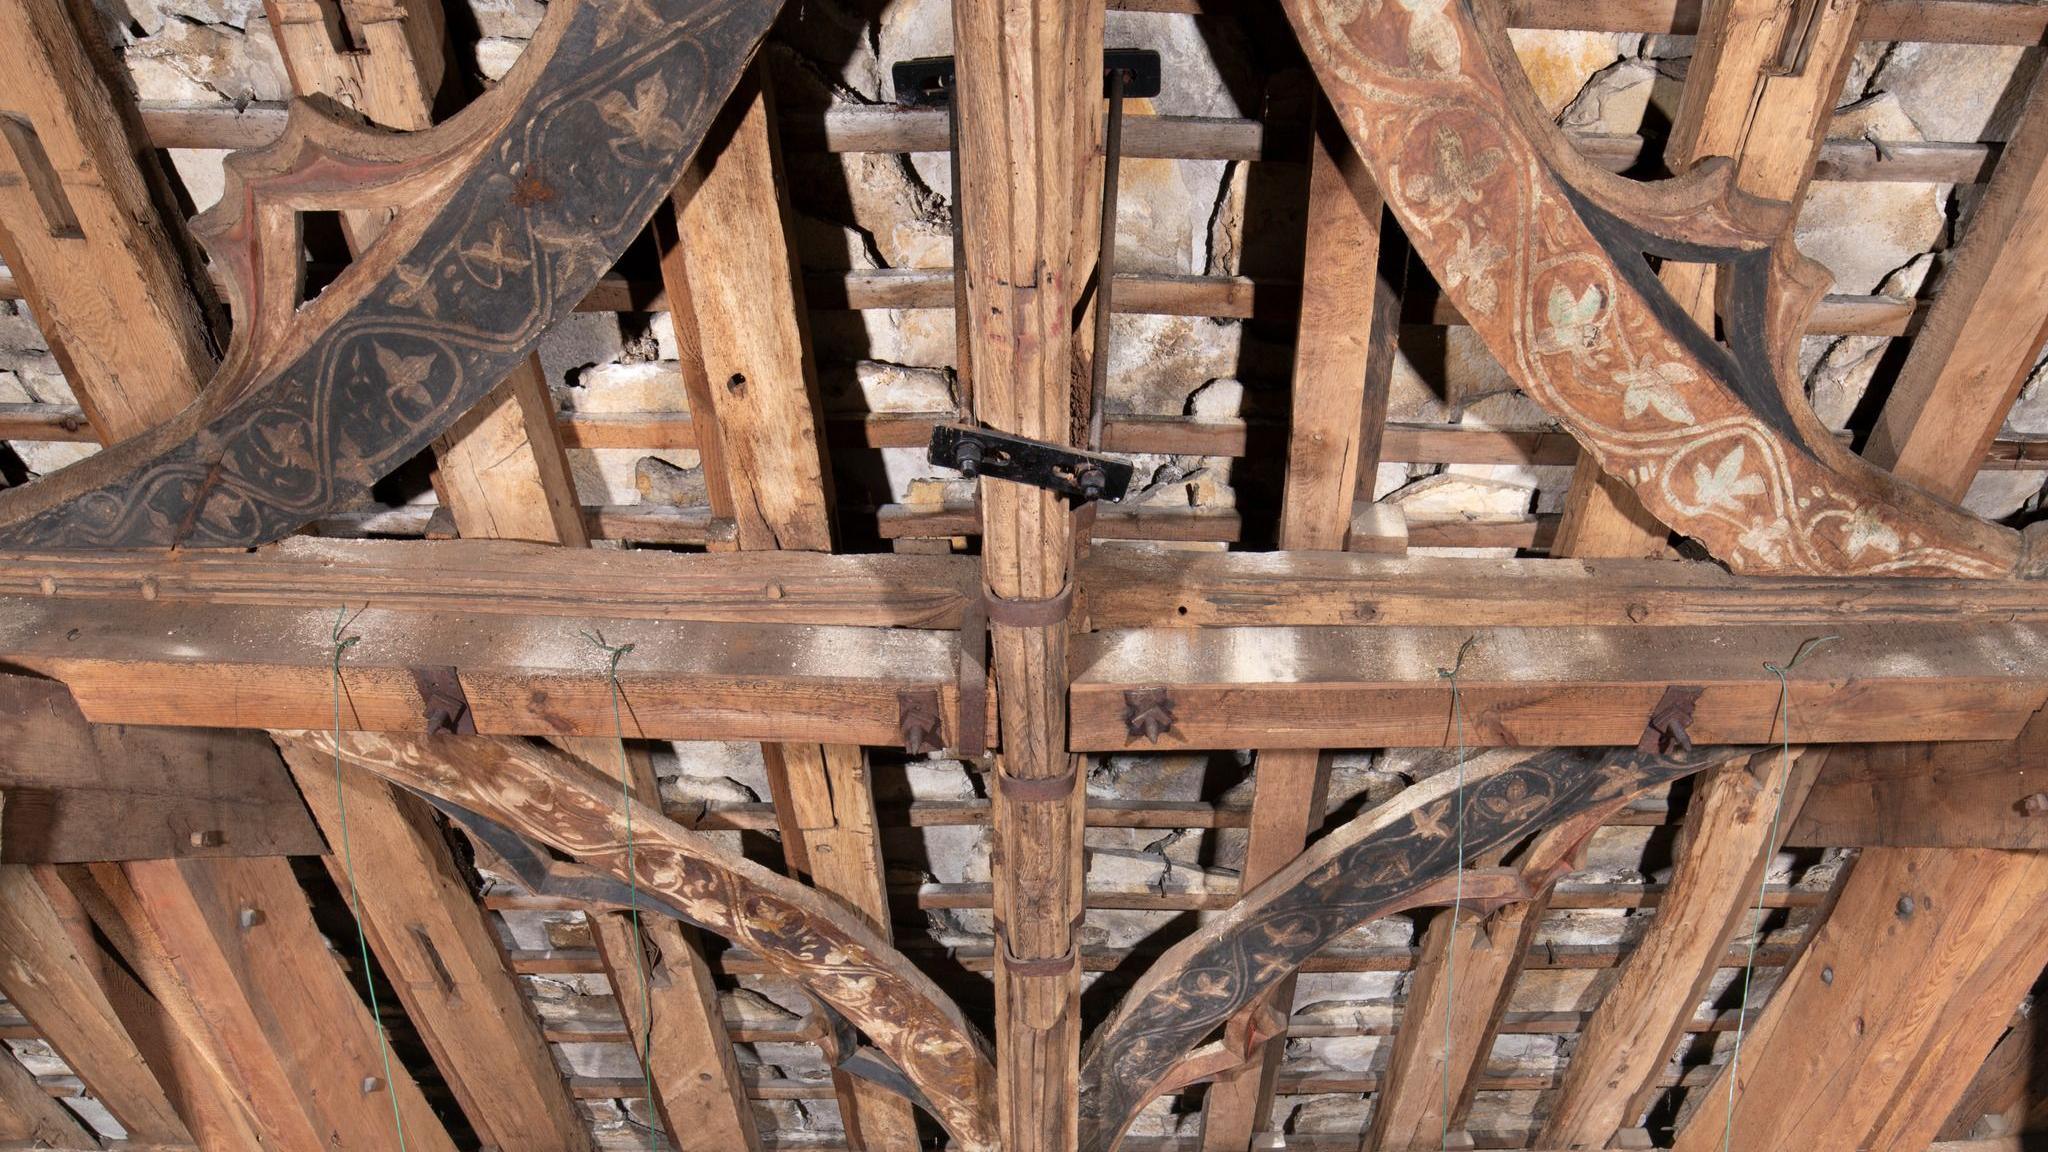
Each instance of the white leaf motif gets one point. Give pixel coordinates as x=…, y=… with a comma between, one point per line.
x=1725, y=485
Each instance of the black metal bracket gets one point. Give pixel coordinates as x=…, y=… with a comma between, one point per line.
x=1054, y=467
x=928, y=81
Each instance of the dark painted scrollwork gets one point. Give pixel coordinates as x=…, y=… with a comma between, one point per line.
x=1397, y=856
x=516, y=207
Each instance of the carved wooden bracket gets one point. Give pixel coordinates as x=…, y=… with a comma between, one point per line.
x=1398, y=856
x=1544, y=255
x=519, y=204
x=524, y=791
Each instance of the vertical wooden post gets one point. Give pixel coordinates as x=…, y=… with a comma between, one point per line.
x=1030, y=93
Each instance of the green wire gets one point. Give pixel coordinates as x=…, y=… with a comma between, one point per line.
x=1458, y=899
x=348, y=858
x=633, y=885
x=1783, y=722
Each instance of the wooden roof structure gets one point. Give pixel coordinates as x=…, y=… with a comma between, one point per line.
x=279, y=764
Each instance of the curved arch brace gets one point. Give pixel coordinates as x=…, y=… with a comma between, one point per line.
x=522, y=202
x=1544, y=256
x=564, y=804
x=1392, y=858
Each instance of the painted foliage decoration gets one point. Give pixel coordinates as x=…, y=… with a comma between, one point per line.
x=518, y=205
x=1544, y=255
x=538, y=793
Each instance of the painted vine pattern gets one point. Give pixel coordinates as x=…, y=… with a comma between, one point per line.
x=1385, y=861
x=1558, y=289
x=575, y=171
x=830, y=951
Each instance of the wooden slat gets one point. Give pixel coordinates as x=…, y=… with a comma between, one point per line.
x=550, y=592
x=1980, y=340
x=494, y=580
x=1342, y=364
x=49, y=982
x=753, y=372
x=1876, y=1031
x=80, y=230
x=442, y=958
x=1372, y=688
x=278, y=1006
x=1212, y=589
x=1718, y=868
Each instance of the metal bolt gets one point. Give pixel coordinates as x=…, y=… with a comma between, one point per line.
x=211, y=838
x=1905, y=907
x=1827, y=975
x=1093, y=481
x=2035, y=805
x=967, y=458
x=250, y=917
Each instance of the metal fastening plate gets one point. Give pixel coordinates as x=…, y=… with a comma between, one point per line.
x=1054, y=467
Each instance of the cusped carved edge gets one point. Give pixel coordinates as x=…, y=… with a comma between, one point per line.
x=563, y=803
x=1544, y=256
x=519, y=205
x=1392, y=858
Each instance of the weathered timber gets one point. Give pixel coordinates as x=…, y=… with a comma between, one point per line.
x=317, y=401
x=80, y=792
x=562, y=803
x=1967, y=364
x=442, y=957
x=80, y=228
x=1719, y=868
x=48, y=979
x=1538, y=687
x=1136, y=586
x=1542, y=251
x=919, y=592
x=1875, y=1032
x=667, y=1003
x=1028, y=100
x=276, y=1004
x=1399, y=855
x=244, y=667
x=1979, y=794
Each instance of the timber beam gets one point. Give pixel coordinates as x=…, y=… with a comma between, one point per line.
x=228, y=666
x=1127, y=587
